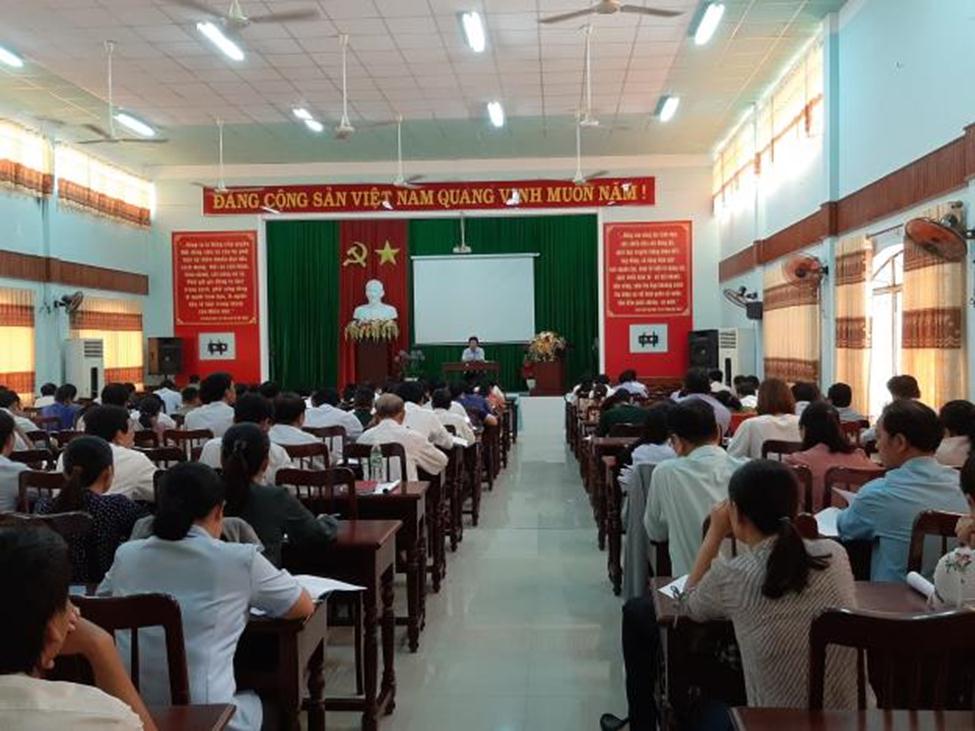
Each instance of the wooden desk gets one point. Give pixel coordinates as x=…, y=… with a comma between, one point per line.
x=513, y=410
x=436, y=528
x=614, y=522
x=600, y=447
x=364, y=553
x=474, y=366
x=192, y=718
x=779, y=719
x=274, y=655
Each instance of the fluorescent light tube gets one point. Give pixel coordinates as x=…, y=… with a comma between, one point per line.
x=496, y=113
x=314, y=125
x=474, y=30
x=135, y=125
x=708, y=23
x=216, y=36
x=10, y=58
x=667, y=107
x=301, y=113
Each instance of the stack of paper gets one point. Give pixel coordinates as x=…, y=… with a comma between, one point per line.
x=383, y=487
x=675, y=587
x=845, y=494
x=826, y=521
x=319, y=586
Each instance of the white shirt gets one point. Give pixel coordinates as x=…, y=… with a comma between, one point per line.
x=718, y=387
x=287, y=435
x=134, y=473
x=25, y=425
x=277, y=459
x=953, y=451
x=10, y=483
x=419, y=451
x=215, y=584
x=426, y=422
x=645, y=454
x=472, y=355
x=41, y=401
x=328, y=415
x=173, y=400
x=682, y=493
x=460, y=423
x=456, y=407
x=753, y=432
x=35, y=704
x=634, y=387
x=749, y=402
x=163, y=421
x=217, y=416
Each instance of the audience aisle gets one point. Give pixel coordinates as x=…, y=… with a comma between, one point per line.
x=524, y=634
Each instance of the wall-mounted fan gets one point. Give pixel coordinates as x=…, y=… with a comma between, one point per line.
x=70, y=302
x=748, y=301
x=804, y=270
x=946, y=239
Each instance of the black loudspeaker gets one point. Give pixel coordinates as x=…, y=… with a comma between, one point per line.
x=753, y=310
x=165, y=356
x=703, y=348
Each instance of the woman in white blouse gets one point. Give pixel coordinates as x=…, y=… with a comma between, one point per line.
x=215, y=584
x=954, y=577
x=958, y=420
x=776, y=420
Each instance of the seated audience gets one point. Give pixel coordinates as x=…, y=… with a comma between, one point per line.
x=151, y=415
x=716, y=376
x=172, y=401
x=362, y=407
x=272, y=511
x=251, y=408
x=728, y=400
x=113, y=394
x=954, y=576
x=747, y=391
x=289, y=418
x=958, y=420
x=441, y=409
x=457, y=394
x=619, y=409
x=215, y=583
x=389, y=428
x=840, y=395
x=824, y=445
x=88, y=466
x=190, y=399
x=9, y=470
x=47, y=395
x=421, y=420
x=496, y=399
x=697, y=386
x=628, y=382
x=348, y=397
x=325, y=411
x=63, y=408
x=683, y=490
x=218, y=395
x=473, y=353
x=10, y=405
x=471, y=400
x=883, y=511
x=580, y=390
x=776, y=420
x=653, y=445
x=804, y=394
x=269, y=390
x=903, y=387
x=42, y=624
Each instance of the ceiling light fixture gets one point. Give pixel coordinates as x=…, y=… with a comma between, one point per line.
x=496, y=113
x=708, y=23
x=216, y=36
x=301, y=113
x=314, y=125
x=10, y=58
x=135, y=125
x=474, y=30
x=667, y=107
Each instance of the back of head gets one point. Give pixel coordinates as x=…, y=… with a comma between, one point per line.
x=389, y=406
x=85, y=460
x=958, y=418
x=410, y=392
x=693, y=421
x=840, y=395
x=456, y=389
x=601, y=379
x=716, y=374
x=115, y=394
x=187, y=492
x=327, y=395
x=656, y=427
x=168, y=383
x=727, y=399
x=774, y=397
x=269, y=390
x=106, y=422
x=767, y=495
x=7, y=425
x=8, y=399
x=214, y=387
x=65, y=393
x=627, y=376
x=150, y=407
x=190, y=394
x=746, y=388
x=470, y=387
x=36, y=574
x=288, y=408
x=441, y=399
x=806, y=391
x=820, y=424
x=243, y=455
x=348, y=393
x=252, y=408
x=968, y=479
x=364, y=398
x=904, y=387
x=697, y=381
x=49, y=389
x=916, y=422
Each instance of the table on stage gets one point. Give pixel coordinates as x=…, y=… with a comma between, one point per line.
x=473, y=366
x=192, y=718
x=777, y=719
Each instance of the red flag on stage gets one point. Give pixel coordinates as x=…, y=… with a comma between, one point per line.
x=372, y=249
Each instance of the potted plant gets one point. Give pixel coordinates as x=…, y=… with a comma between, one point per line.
x=378, y=330
x=542, y=367
x=410, y=363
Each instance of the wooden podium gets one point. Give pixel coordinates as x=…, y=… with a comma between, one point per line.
x=372, y=362
x=549, y=378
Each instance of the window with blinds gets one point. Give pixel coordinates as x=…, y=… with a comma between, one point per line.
x=25, y=160
x=118, y=324
x=97, y=187
x=17, y=337
x=786, y=125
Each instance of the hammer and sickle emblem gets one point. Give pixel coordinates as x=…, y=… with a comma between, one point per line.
x=356, y=255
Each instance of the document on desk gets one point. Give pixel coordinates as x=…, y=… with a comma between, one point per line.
x=675, y=588
x=826, y=522
x=318, y=587
x=921, y=585
x=460, y=442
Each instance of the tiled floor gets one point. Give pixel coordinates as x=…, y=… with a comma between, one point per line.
x=524, y=633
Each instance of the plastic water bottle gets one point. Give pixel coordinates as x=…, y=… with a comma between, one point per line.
x=376, y=463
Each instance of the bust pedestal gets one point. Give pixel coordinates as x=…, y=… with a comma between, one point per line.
x=372, y=362
x=549, y=378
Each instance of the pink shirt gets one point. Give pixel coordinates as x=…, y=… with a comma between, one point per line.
x=819, y=459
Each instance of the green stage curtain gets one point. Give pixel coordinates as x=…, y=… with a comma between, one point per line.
x=566, y=287
x=303, y=302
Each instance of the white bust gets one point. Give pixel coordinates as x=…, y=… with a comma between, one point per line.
x=376, y=309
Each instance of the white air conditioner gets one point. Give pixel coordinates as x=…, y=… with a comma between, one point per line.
x=84, y=366
x=736, y=353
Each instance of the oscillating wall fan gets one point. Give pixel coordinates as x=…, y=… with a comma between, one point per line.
x=804, y=270
x=946, y=239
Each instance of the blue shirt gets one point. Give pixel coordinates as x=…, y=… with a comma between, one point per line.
x=66, y=414
x=476, y=403
x=884, y=510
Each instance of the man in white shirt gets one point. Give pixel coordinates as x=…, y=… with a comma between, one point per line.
x=441, y=409
x=9, y=470
x=325, y=412
x=390, y=414
x=47, y=396
x=421, y=420
x=10, y=405
x=697, y=387
x=255, y=409
x=716, y=376
x=456, y=407
x=171, y=398
x=218, y=395
x=473, y=353
x=289, y=417
x=628, y=382
x=682, y=491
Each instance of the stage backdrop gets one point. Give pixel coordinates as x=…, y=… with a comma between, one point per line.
x=306, y=288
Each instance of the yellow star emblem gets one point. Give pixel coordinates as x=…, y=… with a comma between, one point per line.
x=387, y=254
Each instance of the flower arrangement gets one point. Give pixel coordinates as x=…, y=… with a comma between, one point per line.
x=410, y=362
x=545, y=347
x=371, y=330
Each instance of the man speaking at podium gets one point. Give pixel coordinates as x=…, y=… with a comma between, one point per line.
x=473, y=353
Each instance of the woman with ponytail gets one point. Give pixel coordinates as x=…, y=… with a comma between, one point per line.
x=958, y=420
x=272, y=512
x=215, y=583
x=88, y=465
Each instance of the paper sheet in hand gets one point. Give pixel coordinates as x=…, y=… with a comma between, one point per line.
x=826, y=521
x=459, y=442
x=921, y=585
x=674, y=587
x=319, y=586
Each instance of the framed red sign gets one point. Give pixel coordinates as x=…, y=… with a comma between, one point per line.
x=215, y=278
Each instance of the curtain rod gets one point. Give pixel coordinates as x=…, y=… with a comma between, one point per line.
x=883, y=231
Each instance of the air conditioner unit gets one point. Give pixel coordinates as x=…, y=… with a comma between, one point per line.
x=736, y=352
x=84, y=366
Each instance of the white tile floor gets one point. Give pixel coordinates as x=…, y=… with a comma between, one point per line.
x=524, y=634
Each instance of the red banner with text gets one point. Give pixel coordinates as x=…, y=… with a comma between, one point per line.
x=468, y=196
x=647, y=301
x=215, y=302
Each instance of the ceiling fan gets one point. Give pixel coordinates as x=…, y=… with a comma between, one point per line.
x=236, y=19
x=611, y=7
x=587, y=119
x=344, y=130
x=221, y=186
x=401, y=181
x=579, y=178
x=110, y=137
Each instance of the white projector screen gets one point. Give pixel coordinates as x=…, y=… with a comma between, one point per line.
x=490, y=296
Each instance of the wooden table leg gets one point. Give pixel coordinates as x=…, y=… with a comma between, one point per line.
x=389, y=636
x=316, y=690
x=599, y=493
x=614, y=529
x=413, y=571
x=370, y=627
x=421, y=551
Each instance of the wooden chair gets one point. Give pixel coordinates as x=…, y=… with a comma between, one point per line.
x=851, y=430
x=147, y=438
x=625, y=430
x=453, y=484
x=320, y=490
x=848, y=479
x=72, y=526
x=334, y=437
x=179, y=419
x=187, y=439
x=921, y=661
x=36, y=459
x=40, y=439
x=930, y=523
x=393, y=452
x=48, y=423
x=805, y=479
x=164, y=457
x=65, y=436
x=779, y=448
x=308, y=456
x=41, y=483
x=140, y=611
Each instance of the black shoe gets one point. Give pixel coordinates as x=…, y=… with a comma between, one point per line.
x=609, y=722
